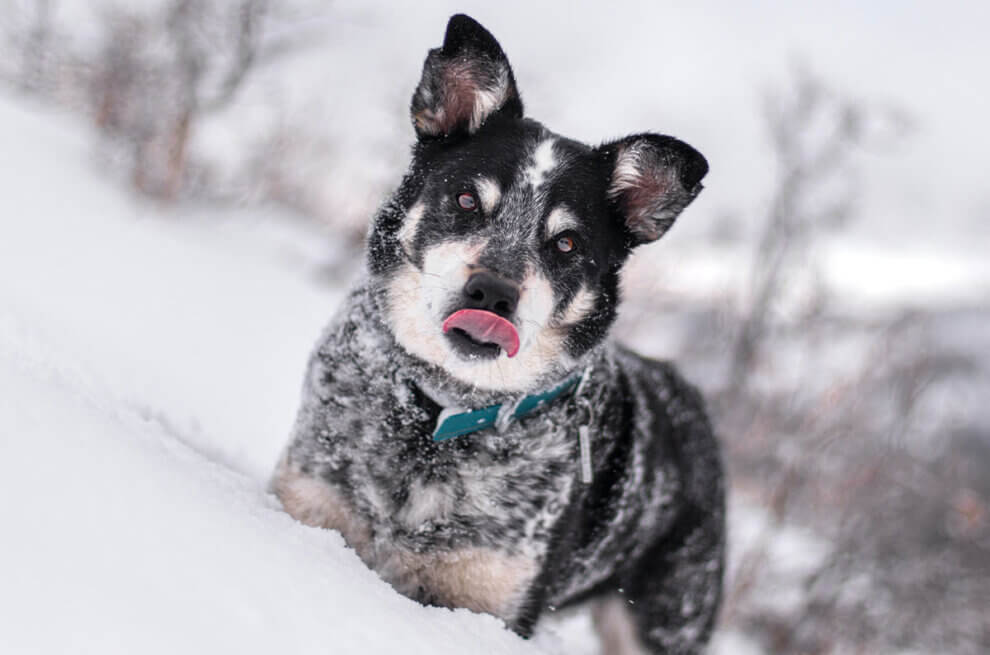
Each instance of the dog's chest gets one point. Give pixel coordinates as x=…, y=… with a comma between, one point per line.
x=365, y=428
x=463, y=523
x=478, y=489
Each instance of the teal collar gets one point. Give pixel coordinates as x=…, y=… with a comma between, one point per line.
x=453, y=422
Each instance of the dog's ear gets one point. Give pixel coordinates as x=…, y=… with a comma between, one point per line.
x=464, y=82
x=652, y=178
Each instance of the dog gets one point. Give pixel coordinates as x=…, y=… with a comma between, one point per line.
x=465, y=423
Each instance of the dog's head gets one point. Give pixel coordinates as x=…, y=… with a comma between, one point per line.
x=498, y=257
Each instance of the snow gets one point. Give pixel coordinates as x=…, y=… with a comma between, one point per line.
x=149, y=373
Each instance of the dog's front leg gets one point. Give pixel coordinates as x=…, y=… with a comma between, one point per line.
x=476, y=578
x=672, y=593
x=315, y=502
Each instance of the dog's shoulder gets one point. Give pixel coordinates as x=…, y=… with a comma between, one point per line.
x=675, y=409
x=681, y=402
x=352, y=381
x=353, y=350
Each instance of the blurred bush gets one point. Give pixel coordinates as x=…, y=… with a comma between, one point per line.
x=836, y=424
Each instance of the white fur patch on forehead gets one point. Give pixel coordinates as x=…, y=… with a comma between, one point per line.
x=543, y=162
x=560, y=219
x=409, y=224
x=489, y=193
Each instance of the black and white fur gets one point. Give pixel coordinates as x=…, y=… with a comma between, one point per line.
x=500, y=521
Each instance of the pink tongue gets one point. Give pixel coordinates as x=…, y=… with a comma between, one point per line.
x=485, y=327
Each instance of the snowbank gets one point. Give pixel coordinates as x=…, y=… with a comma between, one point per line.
x=148, y=377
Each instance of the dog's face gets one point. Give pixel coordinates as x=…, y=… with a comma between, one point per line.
x=499, y=255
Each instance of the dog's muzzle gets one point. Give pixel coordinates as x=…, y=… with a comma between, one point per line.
x=483, y=326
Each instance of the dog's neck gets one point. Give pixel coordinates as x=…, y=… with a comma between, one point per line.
x=446, y=400
x=448, y=392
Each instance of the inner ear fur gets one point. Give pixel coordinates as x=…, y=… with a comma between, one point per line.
x=464, y=82
x=652, y=179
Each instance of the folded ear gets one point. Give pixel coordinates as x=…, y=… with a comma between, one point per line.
x=464, y=82
x=653, y=178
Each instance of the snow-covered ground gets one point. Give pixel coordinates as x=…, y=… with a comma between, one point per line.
x=149, y=368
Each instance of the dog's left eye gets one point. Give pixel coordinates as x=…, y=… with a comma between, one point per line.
x=467, y=201
x=566, y=244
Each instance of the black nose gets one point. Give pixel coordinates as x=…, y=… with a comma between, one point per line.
x=487, y=291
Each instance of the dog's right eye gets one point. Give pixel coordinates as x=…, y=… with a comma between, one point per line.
x=467, y=201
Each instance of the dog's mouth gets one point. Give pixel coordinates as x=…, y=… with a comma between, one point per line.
x=480, y=333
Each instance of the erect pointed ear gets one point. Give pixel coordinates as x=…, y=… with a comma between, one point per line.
x=653, y=178
x=464, y=82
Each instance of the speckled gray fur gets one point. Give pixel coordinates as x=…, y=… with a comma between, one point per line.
x=365, y=425
x=501, y=521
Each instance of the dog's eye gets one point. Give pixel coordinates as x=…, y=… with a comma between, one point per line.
x=467, y=201
x=566, y=244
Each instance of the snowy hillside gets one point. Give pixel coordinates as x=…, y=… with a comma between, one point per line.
x=148, y=376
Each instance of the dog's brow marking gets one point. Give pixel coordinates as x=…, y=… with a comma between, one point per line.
x=408, y=230
x=543, y=162
x=560, y=219
x=489, y=192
